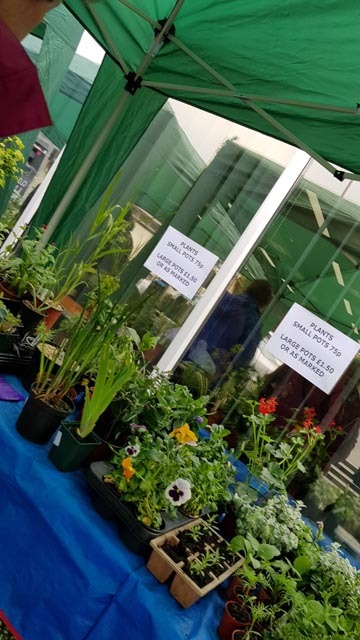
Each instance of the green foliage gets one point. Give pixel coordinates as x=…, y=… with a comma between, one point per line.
x=274, y=522
x=148, y=465
x=10, y=158
x=315, y=597
x=276, y=461
x=204, y=561
x=85, y=340
x=27, y=268
x=112, y=372
x=8, y=322
x=209, y=471
x=79, y=258
x=154, y=400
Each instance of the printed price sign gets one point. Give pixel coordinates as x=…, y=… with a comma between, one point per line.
x=181, y=262
x=312, y=347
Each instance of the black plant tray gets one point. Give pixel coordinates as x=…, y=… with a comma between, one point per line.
x=16, y=362
x=134, y=535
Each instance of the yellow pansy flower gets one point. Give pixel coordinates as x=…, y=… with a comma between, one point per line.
x=183, y=434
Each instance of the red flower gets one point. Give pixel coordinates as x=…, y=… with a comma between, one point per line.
x=309, y=413
x=307, y=424
x=44, y=227
x=332, y=424
x=267, y=406
x=317, y=429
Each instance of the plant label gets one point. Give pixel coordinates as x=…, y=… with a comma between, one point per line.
x=57, y=439
x=181, y=262
x=312, y=347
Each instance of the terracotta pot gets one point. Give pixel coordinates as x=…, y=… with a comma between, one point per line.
x=236, y=590
x=230, y=590
x=229, y=623
x=239, y=634
x=52, y=315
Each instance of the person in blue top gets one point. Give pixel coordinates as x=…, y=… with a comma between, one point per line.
x=233, y=331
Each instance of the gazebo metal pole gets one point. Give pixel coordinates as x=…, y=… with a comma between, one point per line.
x=119, y=110
x=230, y=93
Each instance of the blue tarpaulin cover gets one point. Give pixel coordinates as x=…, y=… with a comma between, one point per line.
x=65, y=574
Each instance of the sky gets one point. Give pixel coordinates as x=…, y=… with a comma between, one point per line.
x=88, y=48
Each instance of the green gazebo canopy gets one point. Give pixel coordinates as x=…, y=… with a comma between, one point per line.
x=287, y=60
x=283, y=67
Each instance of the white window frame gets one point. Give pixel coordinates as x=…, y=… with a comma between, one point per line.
x=235, y=260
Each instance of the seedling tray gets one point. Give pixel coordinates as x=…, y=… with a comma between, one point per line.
x=182, y=587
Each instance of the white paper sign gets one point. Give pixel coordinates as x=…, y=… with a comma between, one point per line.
x=181, y=262
x=312, y=347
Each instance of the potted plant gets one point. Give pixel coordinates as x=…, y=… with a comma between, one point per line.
x=45, y=274
x=151, y=399
x=273, y=521
x=47, y=404
x=77, y=260
x=276, y=459
x=197, y=558
x=235, y=618
x=150, y=480
x=74, y=442
x=9, y=325
x=209, y=470
x=26, y=263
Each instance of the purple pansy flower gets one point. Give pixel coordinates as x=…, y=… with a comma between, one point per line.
x=179, y=491
x=137, y=428
x=199, y=419
x=132, y=450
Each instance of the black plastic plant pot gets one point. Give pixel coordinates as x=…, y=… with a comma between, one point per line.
x=69, y=451
x=30, y=375
x=30, y=318
x=7, y=340
x=109, y=505
x=38, y=420
x=12, y=305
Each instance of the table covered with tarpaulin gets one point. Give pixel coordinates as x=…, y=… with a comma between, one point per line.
x=65, y=574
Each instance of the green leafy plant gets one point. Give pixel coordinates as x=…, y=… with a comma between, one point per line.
x=79, y=258
x=274, y=522
x=27, y=268
x=11, y=158
x=154, y=400
x=277, y=461
x=170, y=471
x=112, y=372
x=204, y=561
x=80, y=355
x=209, y=471
x=196, y=533
x=9, y=323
